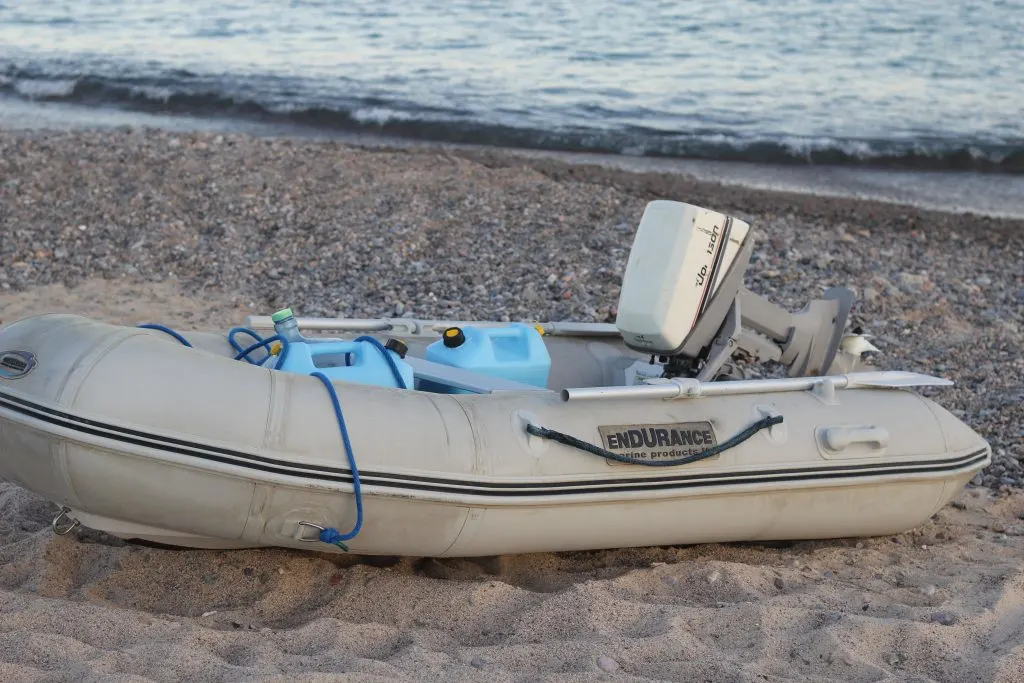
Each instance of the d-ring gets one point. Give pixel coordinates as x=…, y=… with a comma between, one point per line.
x=56, y=523
x=299, y=536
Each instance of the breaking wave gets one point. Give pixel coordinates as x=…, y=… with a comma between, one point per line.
x=309, y=104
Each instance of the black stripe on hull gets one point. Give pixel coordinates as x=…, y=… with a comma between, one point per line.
x=322, y=473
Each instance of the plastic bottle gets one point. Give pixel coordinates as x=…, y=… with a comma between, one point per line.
x=287, y=326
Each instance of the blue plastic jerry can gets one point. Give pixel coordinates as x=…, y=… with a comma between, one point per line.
x=363, y=361
x=515, y=352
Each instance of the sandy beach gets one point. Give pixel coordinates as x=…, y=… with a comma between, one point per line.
x=198, y=230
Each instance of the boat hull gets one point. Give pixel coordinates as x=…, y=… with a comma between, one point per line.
x=143, y=438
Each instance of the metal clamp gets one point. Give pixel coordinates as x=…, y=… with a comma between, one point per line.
x=56, y=523
x=298, y=532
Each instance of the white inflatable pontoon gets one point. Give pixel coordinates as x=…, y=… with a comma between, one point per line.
x=645, y=433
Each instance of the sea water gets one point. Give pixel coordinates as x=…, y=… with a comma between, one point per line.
x=910, y=83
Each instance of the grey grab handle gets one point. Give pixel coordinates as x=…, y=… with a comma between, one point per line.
x=841, y=438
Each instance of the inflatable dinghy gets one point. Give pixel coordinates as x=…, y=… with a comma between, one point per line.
x=453, y=438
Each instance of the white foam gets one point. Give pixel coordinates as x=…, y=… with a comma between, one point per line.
x=34, y=89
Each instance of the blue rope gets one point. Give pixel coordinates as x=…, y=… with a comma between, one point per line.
x=234, y=343
x=329, y=535
x=265, y=343
x=387, y=356
x=161, y=328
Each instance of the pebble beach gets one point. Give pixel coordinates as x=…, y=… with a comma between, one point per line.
x=198, y=230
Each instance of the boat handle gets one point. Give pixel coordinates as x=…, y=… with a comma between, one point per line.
x=71, y=522
x=299, y=536
x=841, y=438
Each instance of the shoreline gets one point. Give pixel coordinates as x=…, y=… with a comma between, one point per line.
x=994, y=195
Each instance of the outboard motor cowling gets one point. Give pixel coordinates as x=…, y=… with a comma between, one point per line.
x=682, y=299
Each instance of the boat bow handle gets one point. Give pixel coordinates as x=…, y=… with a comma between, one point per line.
x=63, y=523
x=841, y=438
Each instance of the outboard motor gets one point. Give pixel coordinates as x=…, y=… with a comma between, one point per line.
x=683, y=302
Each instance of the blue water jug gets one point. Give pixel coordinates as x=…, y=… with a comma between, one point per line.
x=515, y=352
x=360, y=361
x=363, y=361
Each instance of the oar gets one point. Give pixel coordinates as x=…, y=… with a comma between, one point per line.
x=692, y=388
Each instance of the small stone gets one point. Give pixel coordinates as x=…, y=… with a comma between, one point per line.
x=605, y=663
x=944, y=618
x=928, y=590
x=779, y=584
x=910, y=282
x=248, y=571
x=478, y=662
x=998, y=527
x=335, y=579
x=714, y=576
x=280, y=570
x=399, y=308
x=211, y=612
x=958, y=505
x=670, y=580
